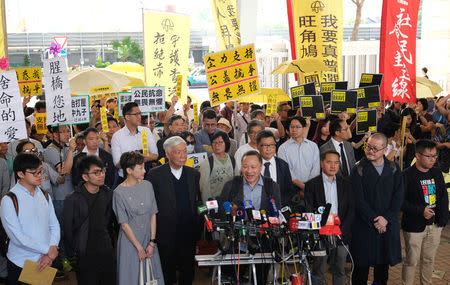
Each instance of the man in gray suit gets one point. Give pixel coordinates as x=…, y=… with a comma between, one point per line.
x=340, y=134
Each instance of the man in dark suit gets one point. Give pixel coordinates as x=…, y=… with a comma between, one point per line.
x=177, y=191
x=92, y=141
x=340, y=134
x=275, y=167
x=336, y=190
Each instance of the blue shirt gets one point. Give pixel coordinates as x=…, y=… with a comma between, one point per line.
x=303, y=159
x=254, y=194
x=330, y=193
x=34, y=230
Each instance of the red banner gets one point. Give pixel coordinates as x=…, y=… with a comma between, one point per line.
x=398, y=50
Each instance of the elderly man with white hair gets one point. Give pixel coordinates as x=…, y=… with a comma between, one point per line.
x=177, y=191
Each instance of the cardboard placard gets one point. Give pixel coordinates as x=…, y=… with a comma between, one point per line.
x=271, y=104
x=41, y=126
x=312, y=106
x=30, y=81
x=344, y=101
x=366, y=121
x=304, y=89
x=195, y=110
x=369, y=79
x=122, y=99
x=368, y=97
x=149, y=99
x=327, y=87
x=81, y=113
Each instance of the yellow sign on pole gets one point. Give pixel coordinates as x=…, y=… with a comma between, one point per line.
x=41, y=123
x=195, y=111
x=104, y=120
x=144, y=143
x=271, y=104
x=231, y=74
x=318, y=30
x=166, y=50
x=179, y=85
x=3, y=33
x=30, y=81
x=226, y=19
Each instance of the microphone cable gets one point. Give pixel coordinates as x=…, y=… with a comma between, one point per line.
x=351, y=258
x=282, y=265
x=239, y=260
x=293, y=256
x=234, y=264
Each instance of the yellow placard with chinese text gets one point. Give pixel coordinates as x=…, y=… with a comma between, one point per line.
x=166, y=51
x=179, y=85
x=374, y=104
x=366, y=78
x=327, y=87
x=101, y=89
x=30, y=81
x=298, y=91
x=338, y=96
x=361, y=93
x=318, y=34
x=104, y=120
x=41, y=123
x=231, y=74
x=144, y=142
x=362, y=117
x=195, y=111
x=306, y=101
x=226, y=19
x=116, y=113
x=271, y=107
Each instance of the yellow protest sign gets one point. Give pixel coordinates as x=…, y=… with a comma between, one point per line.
x=116, y=113
x=306, y=101
x=361, y=93
x=231, y=74
x=166, y=50
x=271, y=104
x=338, y=96
x=195, y=111
x=362, y=116
x=327, y=87
x=318, y=32
x=3, y=33
x=41, y=123
x=226, y=19
x=144, y=142
x=101, y=89
x=179, y=85
x=104, y=120
x=366, y=78
x=30, y=81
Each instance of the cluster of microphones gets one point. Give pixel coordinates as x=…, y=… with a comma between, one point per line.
x=313, y=233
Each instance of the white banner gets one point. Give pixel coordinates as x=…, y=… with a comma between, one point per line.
x=12, y=119
x=149, y=99
x=57, y=92
x=81, y=113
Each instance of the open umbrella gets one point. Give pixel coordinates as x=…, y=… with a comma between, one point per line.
x=126, y=67
x=308, y=65
x=280, y=96
x=423, y=83
x=82, y=81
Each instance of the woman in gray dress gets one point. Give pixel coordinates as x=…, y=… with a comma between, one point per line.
x=135, y=207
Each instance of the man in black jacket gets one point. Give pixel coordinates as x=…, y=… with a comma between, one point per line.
x=425, y=213
x=88, y=224
x=275, y=167
x=92, y=141
x=177, y=194
x=331, y=188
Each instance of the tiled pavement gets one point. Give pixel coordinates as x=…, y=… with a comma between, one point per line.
x=442, y=268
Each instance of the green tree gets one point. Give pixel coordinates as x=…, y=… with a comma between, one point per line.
x=100, y=64
x=128, y=50
x=26, y=60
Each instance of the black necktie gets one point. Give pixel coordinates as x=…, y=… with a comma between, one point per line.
x=344, y=161
x=266, y=169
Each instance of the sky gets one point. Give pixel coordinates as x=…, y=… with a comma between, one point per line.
x=50, y=16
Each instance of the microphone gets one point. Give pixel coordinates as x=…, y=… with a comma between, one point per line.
x=248, y=208
x=286, y=212
x=213, y=207
x=325, y=215
x=241, y=214
x=227, y=207
x=234, y=212
x=273, y=208
x=202, y=210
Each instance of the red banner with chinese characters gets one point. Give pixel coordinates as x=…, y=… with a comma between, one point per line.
x=398, y=50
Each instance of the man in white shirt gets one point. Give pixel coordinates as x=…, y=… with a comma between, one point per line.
x=242, y=118
x=253, y=128
x=129, y=138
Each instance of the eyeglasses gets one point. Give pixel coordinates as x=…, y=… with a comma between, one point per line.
x=135, y=114
x=192, y=143
x=268, y=145
x=430, y=156
x=374, y=149
x=218, y=142
x=36, y=173
x=98, y=172
x=33, y=150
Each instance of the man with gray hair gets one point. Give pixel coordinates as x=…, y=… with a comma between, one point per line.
x=177, y=191
x=378, y=189
x=253, y=128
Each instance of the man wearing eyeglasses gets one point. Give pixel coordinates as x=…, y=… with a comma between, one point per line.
x=275, y=167
x=129, y=138
x=425, y=213
x=378, y=189
x=88, y=223
x=175, y=124
x=209, y=128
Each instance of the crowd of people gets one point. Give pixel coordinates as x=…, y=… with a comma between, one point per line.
x=79, y=191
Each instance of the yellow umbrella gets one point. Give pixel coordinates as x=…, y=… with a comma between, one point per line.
x=432, y=86
x=84, y=81
x=280, y=96
x=300, y=66
x=126, y=67
x=423, y=91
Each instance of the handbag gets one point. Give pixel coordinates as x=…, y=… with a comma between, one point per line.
x=150, y=280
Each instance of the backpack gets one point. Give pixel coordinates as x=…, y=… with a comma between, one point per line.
x=211, y=162
x=4, y=239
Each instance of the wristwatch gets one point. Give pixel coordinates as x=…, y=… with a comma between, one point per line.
x=153, y=241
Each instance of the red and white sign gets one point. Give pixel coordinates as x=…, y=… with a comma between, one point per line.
x=398, y=50
x=61, y=40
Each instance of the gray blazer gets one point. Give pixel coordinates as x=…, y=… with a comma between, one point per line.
x=349, y=152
